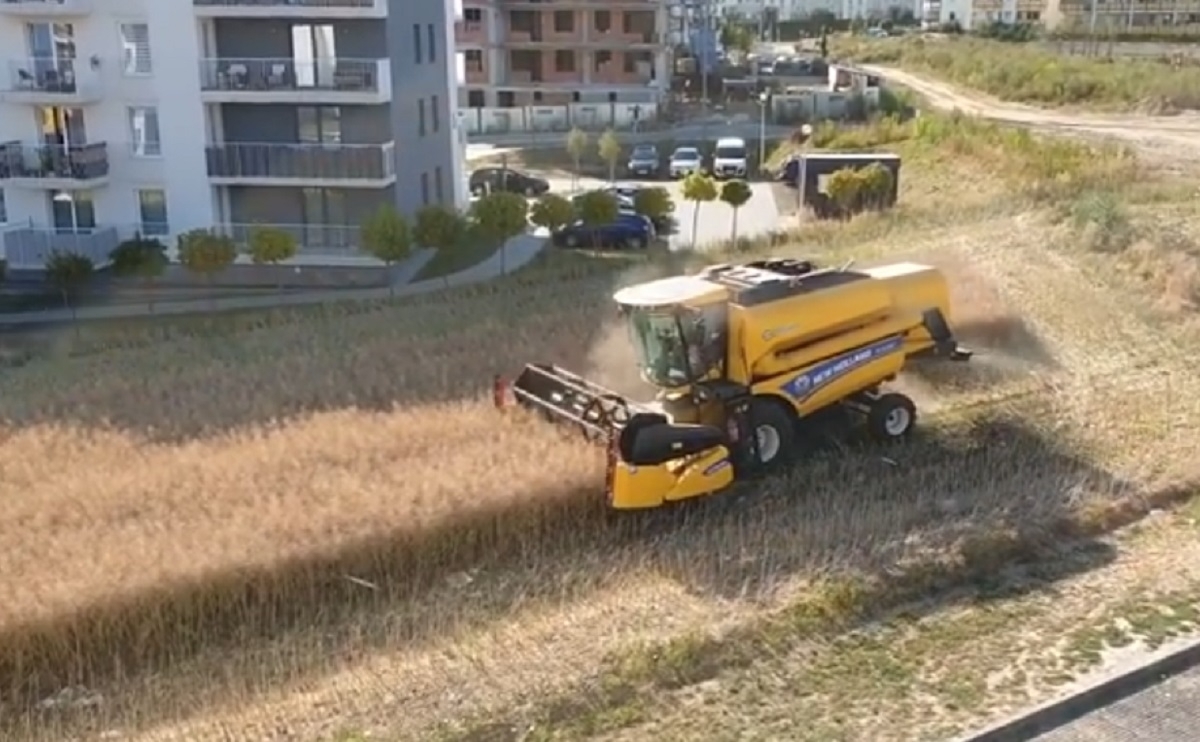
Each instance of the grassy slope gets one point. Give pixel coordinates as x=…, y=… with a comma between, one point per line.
x=1029, y=73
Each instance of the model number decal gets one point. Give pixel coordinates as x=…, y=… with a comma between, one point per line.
x=826, y=372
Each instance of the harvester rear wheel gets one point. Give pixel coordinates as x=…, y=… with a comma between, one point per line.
x=891, y=417
x=774, y=431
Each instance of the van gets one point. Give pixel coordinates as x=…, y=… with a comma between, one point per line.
x=729, y=158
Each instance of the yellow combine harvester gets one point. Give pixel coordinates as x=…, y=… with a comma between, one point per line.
x=741, y=355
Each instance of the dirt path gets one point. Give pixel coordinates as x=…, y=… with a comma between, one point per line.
x=1173, y=141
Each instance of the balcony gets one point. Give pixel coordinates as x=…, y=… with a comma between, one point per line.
x=470, y=32
x=46, y=8
x=54, y=82
x=333, y=165
x=29, y=248
x=279, y=80
x=309, y=9
x=311, y=239
x=53, y=166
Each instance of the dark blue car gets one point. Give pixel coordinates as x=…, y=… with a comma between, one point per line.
x=630, y=230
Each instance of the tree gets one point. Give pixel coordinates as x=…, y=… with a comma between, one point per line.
x=699, y=189
x=844, y=188
x=271, y=246
x=68, y=272
x=206, y=254
x=497, y=218
x=439, y=228
x=654, y=203
x=552, y=211
x=387, y=238
x=577, y=144
x=737, y=194
x=597, y=208
x=610, y=151
x=142, y=257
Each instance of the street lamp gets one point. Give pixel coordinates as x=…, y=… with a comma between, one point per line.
x=764, y=99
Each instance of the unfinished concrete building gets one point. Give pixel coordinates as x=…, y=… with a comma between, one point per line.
x=556, y=52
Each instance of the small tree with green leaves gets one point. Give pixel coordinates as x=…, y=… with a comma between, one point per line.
x=440, y=228
x=552, y=212
x=699, y=189
x=497, y=218
x=69, y=272
x=143, y=258
x=597, y=208
x=737, y=194
x=271, y=246
x=610, y=151
x=387, y=238
x=206, y=254
x=577, y=145
x=654, y=203
x=845, y=188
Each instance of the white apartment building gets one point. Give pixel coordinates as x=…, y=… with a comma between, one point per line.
x=794, y=10
x=161, y=116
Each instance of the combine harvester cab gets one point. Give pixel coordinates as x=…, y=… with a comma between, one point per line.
x=741, y=356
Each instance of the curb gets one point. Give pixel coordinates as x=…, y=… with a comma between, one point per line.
x=1059, y=712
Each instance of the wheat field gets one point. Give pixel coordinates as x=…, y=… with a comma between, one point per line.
x=197, y=520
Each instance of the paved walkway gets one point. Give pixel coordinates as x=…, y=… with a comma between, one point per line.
x=518, y=253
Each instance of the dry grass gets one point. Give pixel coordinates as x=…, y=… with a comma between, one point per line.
x=298, y=497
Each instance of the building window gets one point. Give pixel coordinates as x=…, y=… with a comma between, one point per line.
x=3, y=208
x=425, y=188
x=564, y=60
x=432, y=43
x=135, y=45
x=437, y=185
x=421, y=117
x=602, y=21
x=143, y=131
x=564, y=21
x=72, y=211
x=319, y=124
x=417, y=43
x=473, y=58
x=435, y=113
x=152, y=205
x=473, y=15
x=475, y=99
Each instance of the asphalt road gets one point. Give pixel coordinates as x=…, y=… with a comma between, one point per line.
x=715, y=223
x=1167, y=712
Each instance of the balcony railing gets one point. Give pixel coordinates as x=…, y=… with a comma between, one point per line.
x=287, y=3
x=280, y=74
x=59, y=161
x=312, y=239
x=301, y=161
x=48, y=7
x=30, y=248
x=52, y=76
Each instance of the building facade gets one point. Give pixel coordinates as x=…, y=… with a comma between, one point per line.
x=161, y=116
x=526, y=53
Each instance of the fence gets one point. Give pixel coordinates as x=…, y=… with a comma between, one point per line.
x=533, y=119
x=29, y=248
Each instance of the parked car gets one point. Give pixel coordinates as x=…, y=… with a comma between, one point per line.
x=644, y=161
x=729, y=159
x=685, y=161
x=629, y=230
x=627, y=197
x=624, y=201
x=491, y=179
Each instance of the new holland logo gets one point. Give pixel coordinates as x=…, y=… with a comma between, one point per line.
x=809, y=382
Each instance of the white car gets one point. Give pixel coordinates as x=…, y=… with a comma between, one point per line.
x=729, y=158
x=684, y=162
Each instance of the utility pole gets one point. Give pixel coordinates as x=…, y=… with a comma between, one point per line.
x=706, y=37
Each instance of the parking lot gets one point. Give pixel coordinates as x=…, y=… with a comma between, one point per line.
x=757, y=217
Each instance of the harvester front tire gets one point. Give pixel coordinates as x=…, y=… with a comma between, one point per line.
x=774, y=431
x=891, y=417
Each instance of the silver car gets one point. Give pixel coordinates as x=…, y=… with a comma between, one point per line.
x=684, y=162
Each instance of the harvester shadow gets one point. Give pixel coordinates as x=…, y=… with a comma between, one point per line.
x=1007, y=498
x=957, y=507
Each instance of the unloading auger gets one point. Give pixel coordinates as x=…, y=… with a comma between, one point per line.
x=742, y=355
